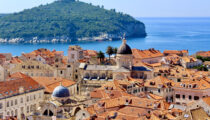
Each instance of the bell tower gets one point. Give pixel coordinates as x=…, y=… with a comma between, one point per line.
x=124, y=55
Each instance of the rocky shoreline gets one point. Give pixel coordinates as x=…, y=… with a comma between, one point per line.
x=63, y=39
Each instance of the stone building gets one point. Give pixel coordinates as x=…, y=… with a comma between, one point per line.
x=189, y=91
x=75, y=53
x=19, y=96
x=190, y=62
x=122, y=70
x=160, y=86
x=34, y=68
x=61, y=105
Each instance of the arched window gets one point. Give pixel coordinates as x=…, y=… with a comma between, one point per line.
x=45, y=113
x=95, y=76
x=87, y=75
x=103, y=76
x=50, y=113
x=77, y=110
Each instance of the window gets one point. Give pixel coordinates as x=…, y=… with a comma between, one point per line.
x=22, y=109
x=135, y=91
x=21, y=100
x=8, y=113
x=61, y=72
x=27, y=98
x=1, y=115
x=27, y=109
x=76, y=76
x=7, y=103
x=16, y=112
x=12, y=113
x=178, y=96
x=31, y=108
x=183, y=96
x=1, y=106
x=190, y=97
x=15, y=101
x=68, y=66
x=196, y=98
x=178, y=80
x=159, y=90
x=56, y=60
x=72, y=56
x=11, y=102
x=145, y=89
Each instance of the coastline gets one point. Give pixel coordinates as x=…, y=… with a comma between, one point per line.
x=64, y=39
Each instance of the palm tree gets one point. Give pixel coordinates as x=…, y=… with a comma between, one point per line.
x=100, y=56
x=115, y=51
x=109, y=51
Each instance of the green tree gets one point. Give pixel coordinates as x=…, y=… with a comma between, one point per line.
x=109, y=51
x=100, y=56
x=115, y=50
x=200, y=58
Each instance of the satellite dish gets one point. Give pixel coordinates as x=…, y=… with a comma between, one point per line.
x=82, y=115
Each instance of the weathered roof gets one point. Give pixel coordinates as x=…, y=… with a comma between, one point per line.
x=16, y=81
x=50, y=83
x=144, y=54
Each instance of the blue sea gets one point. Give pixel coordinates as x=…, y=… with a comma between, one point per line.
x=192, y=34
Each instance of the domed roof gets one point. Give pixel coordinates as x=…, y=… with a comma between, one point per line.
x=124, y=48
x=61, y=91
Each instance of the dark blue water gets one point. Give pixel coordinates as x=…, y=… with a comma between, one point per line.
x=163, y=33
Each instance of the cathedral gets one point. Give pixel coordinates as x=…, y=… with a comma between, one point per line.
x=122, y=70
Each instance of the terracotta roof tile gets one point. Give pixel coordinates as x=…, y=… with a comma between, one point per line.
x=142, y=54
x=204, y=54
x=159, y=82
x=50, y=83
x=15, y=82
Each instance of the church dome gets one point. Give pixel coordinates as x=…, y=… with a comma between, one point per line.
x=60, y=92
x=124, y=48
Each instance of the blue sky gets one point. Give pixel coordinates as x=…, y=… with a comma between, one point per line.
x=136, y=8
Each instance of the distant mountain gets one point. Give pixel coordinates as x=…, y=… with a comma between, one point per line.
x=68, y=20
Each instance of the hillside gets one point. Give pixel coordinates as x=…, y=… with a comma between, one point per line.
x=68, y=20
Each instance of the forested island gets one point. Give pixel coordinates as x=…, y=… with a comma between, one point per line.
x=68, y=20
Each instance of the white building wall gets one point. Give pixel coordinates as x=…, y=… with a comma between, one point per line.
x=20, y=104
